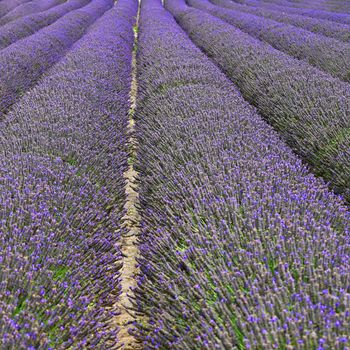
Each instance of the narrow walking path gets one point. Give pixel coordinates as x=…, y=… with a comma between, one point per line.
x=131, y=221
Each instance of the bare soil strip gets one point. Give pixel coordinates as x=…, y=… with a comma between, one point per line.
x=132, y=223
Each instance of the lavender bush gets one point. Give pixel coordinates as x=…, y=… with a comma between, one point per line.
x=7, y=5
x=321, y=14
x=319, y=26
x=309, y=108
x=328, y=54
x=63, y=155
x=35, y=54
x=241, y=247
x=28, y=8
x=28, y=25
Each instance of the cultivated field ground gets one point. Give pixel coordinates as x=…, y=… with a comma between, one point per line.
x=175, y=174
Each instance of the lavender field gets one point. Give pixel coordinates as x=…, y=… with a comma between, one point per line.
x=175, y=174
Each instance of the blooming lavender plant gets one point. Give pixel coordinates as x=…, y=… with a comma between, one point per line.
x=34, y=55
x=8, y=5
x=319, y=26
x=241, y=247
x=309, y=108
x=63, y=153
x=28, y=8
x=328, y=54
x=28, y=25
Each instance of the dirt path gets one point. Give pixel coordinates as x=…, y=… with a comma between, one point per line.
x=131, y=219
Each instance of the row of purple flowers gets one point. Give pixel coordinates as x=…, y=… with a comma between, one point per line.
x=63, y=156
x=241, y=247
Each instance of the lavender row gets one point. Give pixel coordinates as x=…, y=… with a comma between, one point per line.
x=28, y=8
x=328, y=5
x=308, y=4
x=309, y=108
x=321, y=14
x=339, y=6
x=28, y=25
x=37, y=53
x=319, y=26
x=8, y=5
x=241, y=247
x=327, y=54
x=333, y=6
x=63, y=156
x=300, y=4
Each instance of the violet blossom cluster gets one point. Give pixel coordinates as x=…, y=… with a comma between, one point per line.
x=241, y=247
x=319, y=26
x=308, y=107
x=327, y=54
x=28, y=8
x=8, y=5
x=28, y=25
x=63, y=155
x=25, y=61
